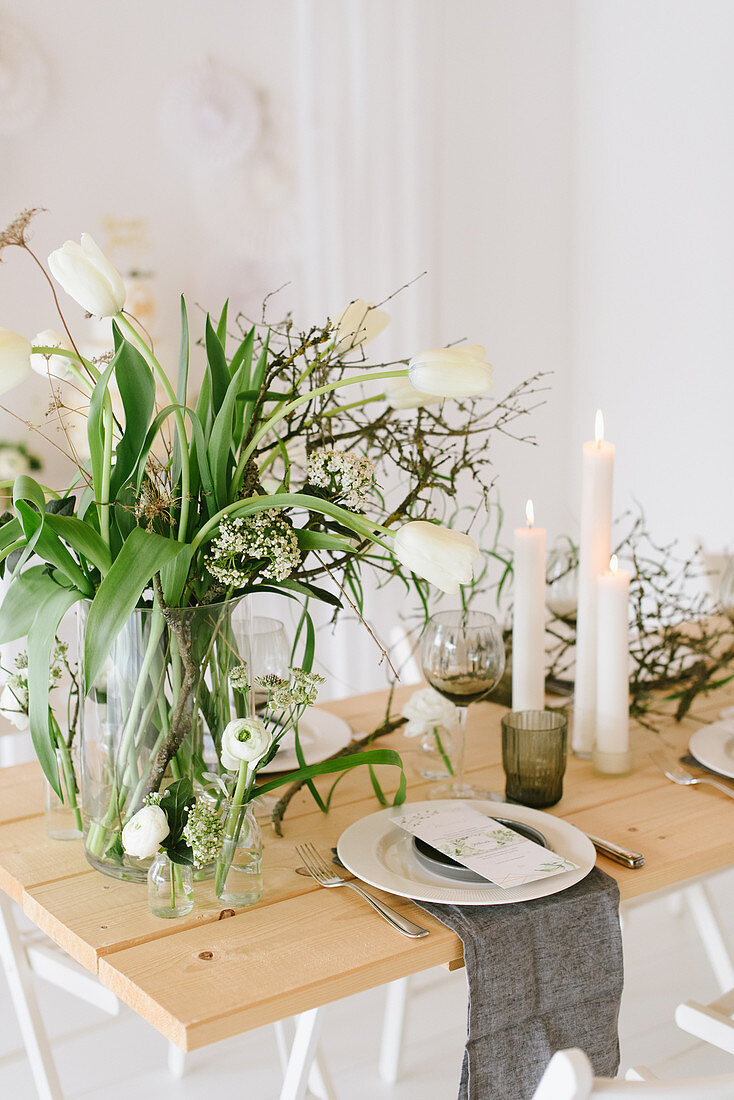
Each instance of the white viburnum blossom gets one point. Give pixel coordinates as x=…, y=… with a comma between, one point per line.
x=265, y=536
x=203, y=832
x=425, y=710
x=345, y=476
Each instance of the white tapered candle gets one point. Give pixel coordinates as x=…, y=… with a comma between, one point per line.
x=596, y=534
x=611, y=749
x=528, y=616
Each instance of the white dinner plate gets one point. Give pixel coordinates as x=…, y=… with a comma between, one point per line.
x=322, y=734
x=713, y=745
x=381, y=854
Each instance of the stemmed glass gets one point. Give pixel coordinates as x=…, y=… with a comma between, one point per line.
x=463, y=658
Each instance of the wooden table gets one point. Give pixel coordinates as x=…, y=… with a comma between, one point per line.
x=201, y=979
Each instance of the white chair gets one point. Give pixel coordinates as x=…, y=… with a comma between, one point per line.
x=569, y=1076
x=713, y=1022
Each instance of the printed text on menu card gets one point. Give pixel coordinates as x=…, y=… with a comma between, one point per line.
x=484, y=845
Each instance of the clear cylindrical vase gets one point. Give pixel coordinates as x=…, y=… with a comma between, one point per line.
x=155, y=713
x=435, y=749
x=239, y=870
x=170, y=888
x=63, y=815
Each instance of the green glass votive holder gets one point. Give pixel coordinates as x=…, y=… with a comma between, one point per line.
x=534, y=744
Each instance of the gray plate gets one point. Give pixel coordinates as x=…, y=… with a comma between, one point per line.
x=446, y=867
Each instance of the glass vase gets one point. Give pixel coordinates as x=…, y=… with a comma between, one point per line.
x=170, y=888
x=435, y=749
x=239, y=874
x=63, y=815
x=155, y=713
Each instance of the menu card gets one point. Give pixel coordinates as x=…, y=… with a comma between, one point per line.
x=484, y=845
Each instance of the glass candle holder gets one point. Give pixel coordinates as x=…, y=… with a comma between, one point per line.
x=534, y=744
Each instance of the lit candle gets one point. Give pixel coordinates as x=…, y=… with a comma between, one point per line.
x=528, y=616
x=611, y=750
x=596, y=534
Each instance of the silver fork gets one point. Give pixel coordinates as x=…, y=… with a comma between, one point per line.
x=325, y=875
x=680, y=775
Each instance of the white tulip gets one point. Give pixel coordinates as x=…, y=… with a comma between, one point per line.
x=14, y=705
x=51, y=366
x=245, y=739
x=87, y=275
x=357, y=324
x=400, y=393
x=15, y=359
x=452, y=372
x=425, y=710
x=142, y=835
x=438, y=554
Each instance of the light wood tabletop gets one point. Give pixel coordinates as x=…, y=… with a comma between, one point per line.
x=217, y=972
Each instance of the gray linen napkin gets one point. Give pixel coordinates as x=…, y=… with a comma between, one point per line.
x=543, y=976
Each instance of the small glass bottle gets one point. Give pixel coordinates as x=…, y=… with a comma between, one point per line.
x=63, y=815
x=239, y=874
x=436, y=747
x=170, y=888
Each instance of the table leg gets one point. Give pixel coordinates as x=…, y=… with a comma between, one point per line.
x=391, y=1044
x=303, y=1050
x=23, y=995
x=712, y=939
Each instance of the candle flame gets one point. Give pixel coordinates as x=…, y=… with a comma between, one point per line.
x=613, y=564
x=530, y=513
x=599, y=427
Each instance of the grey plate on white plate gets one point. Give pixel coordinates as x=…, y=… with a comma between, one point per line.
x=446, y=867
x=379, y=852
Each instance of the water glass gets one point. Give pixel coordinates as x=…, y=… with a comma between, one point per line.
x=534, y=746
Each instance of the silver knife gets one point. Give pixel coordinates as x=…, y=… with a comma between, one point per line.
x=625, y=856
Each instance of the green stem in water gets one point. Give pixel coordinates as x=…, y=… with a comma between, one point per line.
x=67, y=777
x=442, y=751
x=137, y=341
x=104, y=504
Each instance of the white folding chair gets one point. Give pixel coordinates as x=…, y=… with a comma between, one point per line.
x=569, y=1076
x=713, y=1022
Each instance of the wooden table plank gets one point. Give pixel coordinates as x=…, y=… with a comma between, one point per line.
x=268, y=963
x=21, y=792
x=28, y=857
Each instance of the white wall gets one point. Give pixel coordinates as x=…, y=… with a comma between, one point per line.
x=655, y=261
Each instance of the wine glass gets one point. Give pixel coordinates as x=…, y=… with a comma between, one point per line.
x=562, y=578
x=463, y=658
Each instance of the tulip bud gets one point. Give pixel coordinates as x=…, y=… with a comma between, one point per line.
x=438, y=554
x=15, y=359
x=357, y=324
x=400, y=393
x=51, y=366
x=87, y=275
x=452, y=372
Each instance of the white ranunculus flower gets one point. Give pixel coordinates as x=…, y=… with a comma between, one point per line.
x=14, y=704
x=400, y=393
x=87, y=275
x=53, y=366
x=357, y=324
x=452, y=372
x=15, y=359
x=245, y=739
x=142, y=835
x=425, y=710
x=438, y=554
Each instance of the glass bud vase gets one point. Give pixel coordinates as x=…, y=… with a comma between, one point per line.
x=170, y=888
x=63, y=815
x=239, y=874
x=435, y=752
